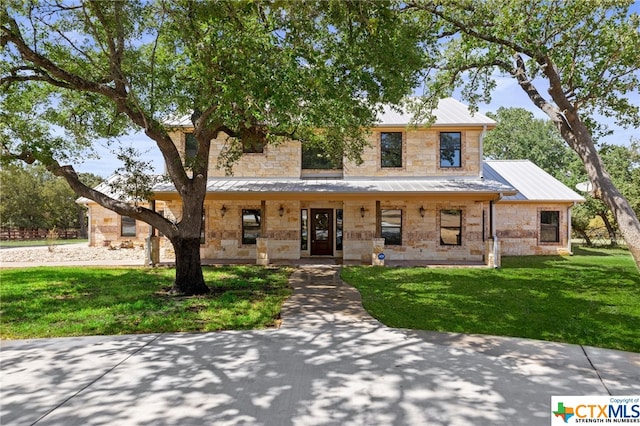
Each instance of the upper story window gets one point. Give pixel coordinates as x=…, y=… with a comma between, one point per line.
x=450, y=149
x=391, y=149
x=253, y=146
x=127, y=226
x=318, y=158
x=391, y=226
x=190, y=146
x=251, y=225
x=550, y=226
x=450, y=227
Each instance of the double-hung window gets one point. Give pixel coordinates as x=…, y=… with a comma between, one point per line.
x=450, y=149
x=391, y=149
x=190, y=146
x=391, y=226
x=450, y=227
x=127, y=227
x=550, y=226
x=251, y=225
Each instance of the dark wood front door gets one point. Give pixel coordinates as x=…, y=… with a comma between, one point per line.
x=322, y=232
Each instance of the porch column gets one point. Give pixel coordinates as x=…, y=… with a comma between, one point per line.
x=377, y=255
x=262, y=251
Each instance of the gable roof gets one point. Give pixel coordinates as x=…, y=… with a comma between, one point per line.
x=531, y=182
x=449, y=112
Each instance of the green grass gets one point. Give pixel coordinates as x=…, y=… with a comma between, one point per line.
x=591, y=298
x=39, y=243
x=55, y=302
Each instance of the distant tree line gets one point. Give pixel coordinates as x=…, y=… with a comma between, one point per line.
x=32, y=197
x=519, y=135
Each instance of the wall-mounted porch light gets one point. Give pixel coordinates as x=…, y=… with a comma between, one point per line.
x=362, y=211
x=281, y=210
x=223, y=210
x=421, y=211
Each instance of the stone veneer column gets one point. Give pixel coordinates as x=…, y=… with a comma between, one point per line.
x=262, y=251
x=378, y=247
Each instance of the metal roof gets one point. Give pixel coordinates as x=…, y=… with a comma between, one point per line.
x=449, y=112
x=374, y=187
x=532, y=183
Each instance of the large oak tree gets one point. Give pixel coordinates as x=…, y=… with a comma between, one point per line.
x=575, y=60
x=256, y=71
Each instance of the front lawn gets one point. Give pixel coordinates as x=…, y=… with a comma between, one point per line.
x=591, y=298
x=55, y=302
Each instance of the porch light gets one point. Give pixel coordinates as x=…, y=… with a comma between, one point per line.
x=421, y=210
x=281, y=210
x=223, y=210
x=362, y=211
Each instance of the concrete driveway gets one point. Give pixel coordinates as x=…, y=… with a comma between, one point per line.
x=329, y=364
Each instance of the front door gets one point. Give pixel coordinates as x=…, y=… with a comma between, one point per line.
x=322, y=232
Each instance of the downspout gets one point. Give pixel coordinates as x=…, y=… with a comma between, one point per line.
x=480, y=151
x=569, y=228
x=494, y=232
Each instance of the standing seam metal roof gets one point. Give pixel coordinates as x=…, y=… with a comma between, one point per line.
x=532, y=183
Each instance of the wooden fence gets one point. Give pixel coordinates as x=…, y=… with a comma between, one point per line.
x=17, y=234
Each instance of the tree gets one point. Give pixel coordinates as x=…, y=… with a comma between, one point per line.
x=32, y=197
x=519, y=135
x=583, y=53
x=257, y=71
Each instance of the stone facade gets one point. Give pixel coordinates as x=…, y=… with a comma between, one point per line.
x=286, y=224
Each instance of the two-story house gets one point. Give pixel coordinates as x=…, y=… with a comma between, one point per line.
x=420, y=194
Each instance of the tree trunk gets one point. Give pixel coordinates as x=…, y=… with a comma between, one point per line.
x=189, y=279
x=610, y=230
x=585, y=236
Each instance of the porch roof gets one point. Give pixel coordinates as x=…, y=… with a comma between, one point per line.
x=532, y=183
x=348, y=188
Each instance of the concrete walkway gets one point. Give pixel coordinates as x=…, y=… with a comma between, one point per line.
x=329, y=364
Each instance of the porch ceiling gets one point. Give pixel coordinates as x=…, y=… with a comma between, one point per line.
x=314, y=189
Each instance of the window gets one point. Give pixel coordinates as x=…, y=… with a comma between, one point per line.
x=251, y=225
x=253, y=146
x=391, y=149
x=304, y=230
x=318, y=158
x=190, y=146
x=391, y=227
x=450, y=147
x=339, y=215
x=128, y=227
x=450, y=227
x=550, y=226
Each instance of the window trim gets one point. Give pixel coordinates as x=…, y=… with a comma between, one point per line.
x=459, y=150
x=244, y=240
x=459, y=228
x=402, y=156
x=558, y=238
x=122, y=225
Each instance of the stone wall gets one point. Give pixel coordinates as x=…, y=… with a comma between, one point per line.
x=518, y=229
x=105, y=228
x=420, y=155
